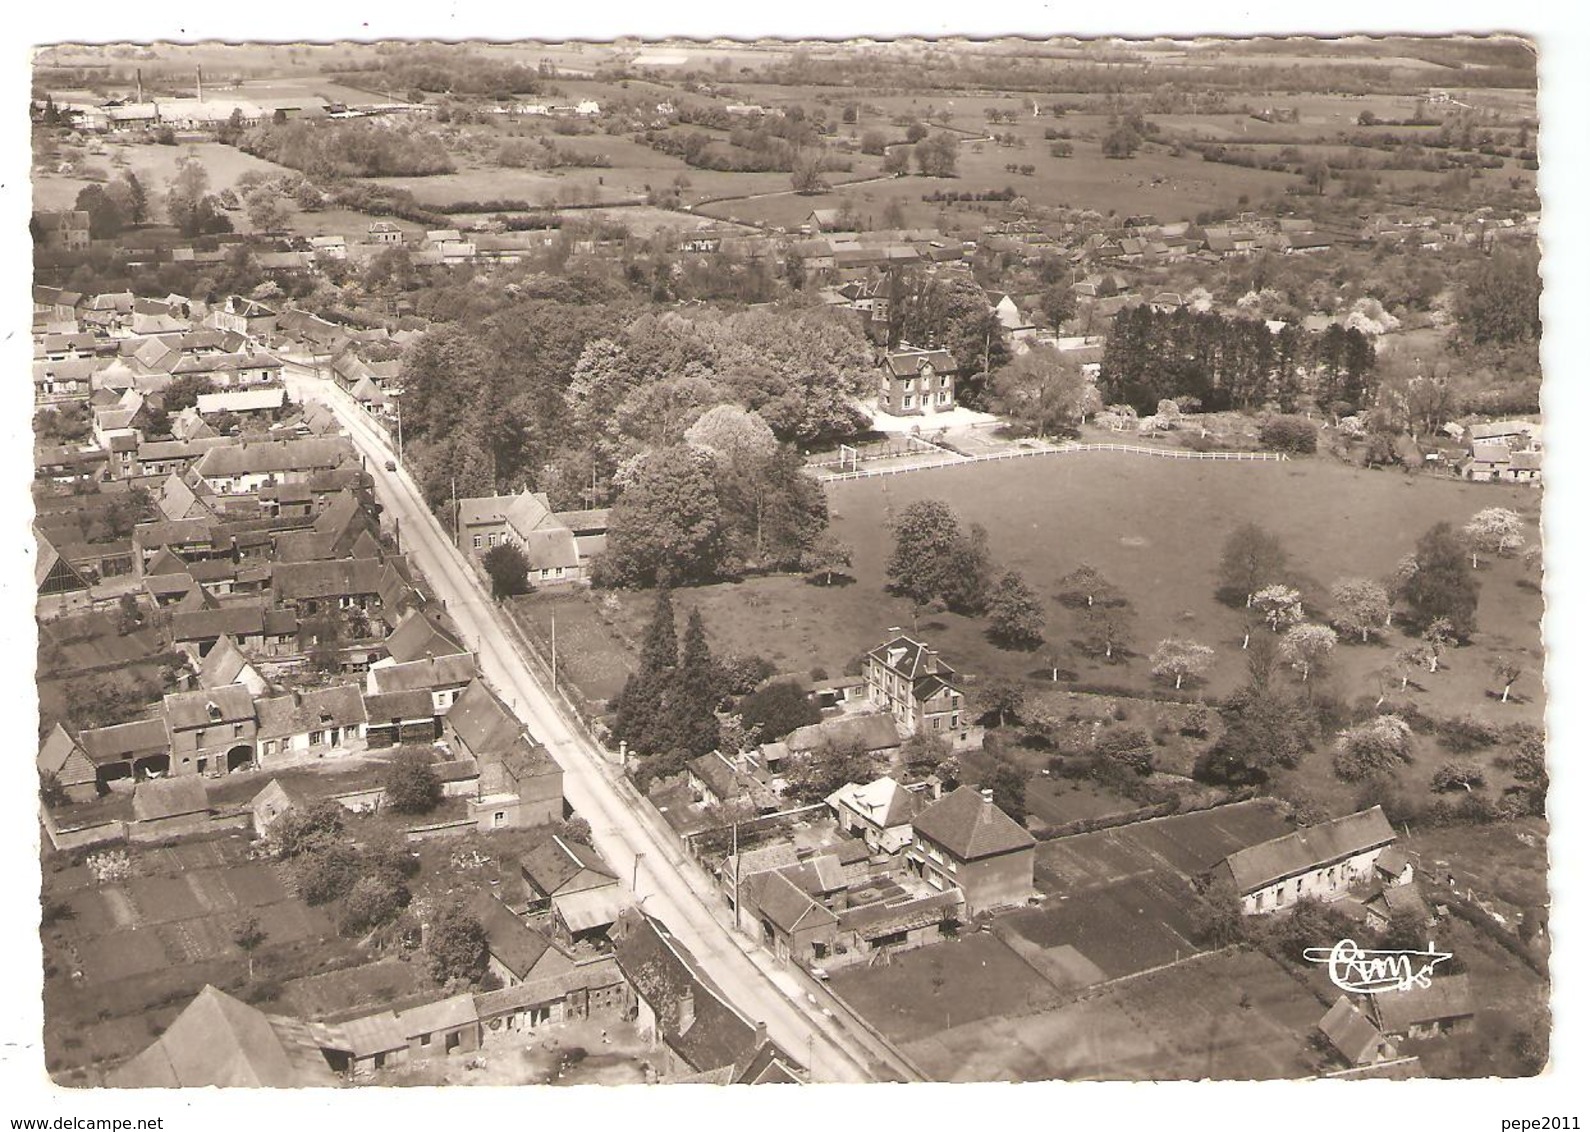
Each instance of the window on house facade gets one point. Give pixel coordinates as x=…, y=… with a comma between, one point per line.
x=237, y=730
x=316, y=737
x=944, y=398
x=478, y=542
x=491, y=540
x=270, y=746
x=905, y=402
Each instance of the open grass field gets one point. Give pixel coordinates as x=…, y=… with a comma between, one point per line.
x=1233, y=1016
x=153, y=165
x=1501, y=863
x=1156, y=529
x=970, y=980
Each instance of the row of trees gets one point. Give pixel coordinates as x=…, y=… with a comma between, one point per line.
x=350, y=149
x=667, y=712
x=1229, y=362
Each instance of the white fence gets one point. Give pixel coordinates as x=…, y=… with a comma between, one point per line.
x=1019, y=453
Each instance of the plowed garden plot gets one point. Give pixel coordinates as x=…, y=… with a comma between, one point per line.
x=121, y=954
x=159, y=900
x=91, y=915
x=256, y=884
x=1123, y=928
x=944, y=985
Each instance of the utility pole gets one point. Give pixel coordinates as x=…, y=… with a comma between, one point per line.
x=735, y=853
x=634, y=873
x=399, y=406
x=554, y=650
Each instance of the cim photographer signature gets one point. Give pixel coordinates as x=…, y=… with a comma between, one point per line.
x=1361, y=971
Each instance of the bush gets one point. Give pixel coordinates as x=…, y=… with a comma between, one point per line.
x=1130, y=747
x=1466, y=734
x=373, y=900
x=327, y=875
x=1285, y=433
x=411, y=785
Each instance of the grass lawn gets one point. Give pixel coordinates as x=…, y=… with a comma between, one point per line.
x=942, y=986
x=1502, y=863
x=1232, y=1016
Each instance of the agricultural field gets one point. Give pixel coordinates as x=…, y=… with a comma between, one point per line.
x=1120, y=929
x=1227, y=1015
x=962, y=982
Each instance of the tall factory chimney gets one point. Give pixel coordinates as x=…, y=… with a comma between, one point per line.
x=140, y=73
x=198, y=85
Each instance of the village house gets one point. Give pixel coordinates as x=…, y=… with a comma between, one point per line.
x=1320, y=862
x=873, y=731
x=63, y=761
x=1353, y=1035
x=124, y=752
x=574, y=884
x=909, y=681
x=244, y=316
x=395, y=718
x=590, y=989
x=515, y=951
x=1446, y=1006
x=522, y=786
x=551, y=541
x=242, y=467
x=212, y=730
x=442, y=678
x=62, y=231
x=165, y=808
x=879, y=813
x=303, y=725
x=914, y=382
x=965, y=841
x=272, y=803
x=219, y=1041
x=718, y=780
x=688, y=1020
x=227, y=664
x=793, y=924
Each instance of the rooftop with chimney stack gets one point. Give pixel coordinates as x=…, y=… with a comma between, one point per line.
x=968, y=824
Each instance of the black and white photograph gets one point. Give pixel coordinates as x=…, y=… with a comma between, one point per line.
x=637, y=560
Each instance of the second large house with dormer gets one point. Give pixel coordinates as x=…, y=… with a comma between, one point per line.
x=909, y=681
x=917, y=382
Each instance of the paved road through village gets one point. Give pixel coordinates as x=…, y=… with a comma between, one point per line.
x=630, y=839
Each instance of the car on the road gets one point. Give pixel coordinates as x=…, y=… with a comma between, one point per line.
x=391, y=465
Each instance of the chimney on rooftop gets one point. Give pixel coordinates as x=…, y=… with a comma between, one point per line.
x=987, y=813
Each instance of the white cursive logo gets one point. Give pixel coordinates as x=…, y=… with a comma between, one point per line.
x=1370, y=972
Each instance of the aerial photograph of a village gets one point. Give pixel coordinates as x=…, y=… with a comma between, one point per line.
x=740, y=562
